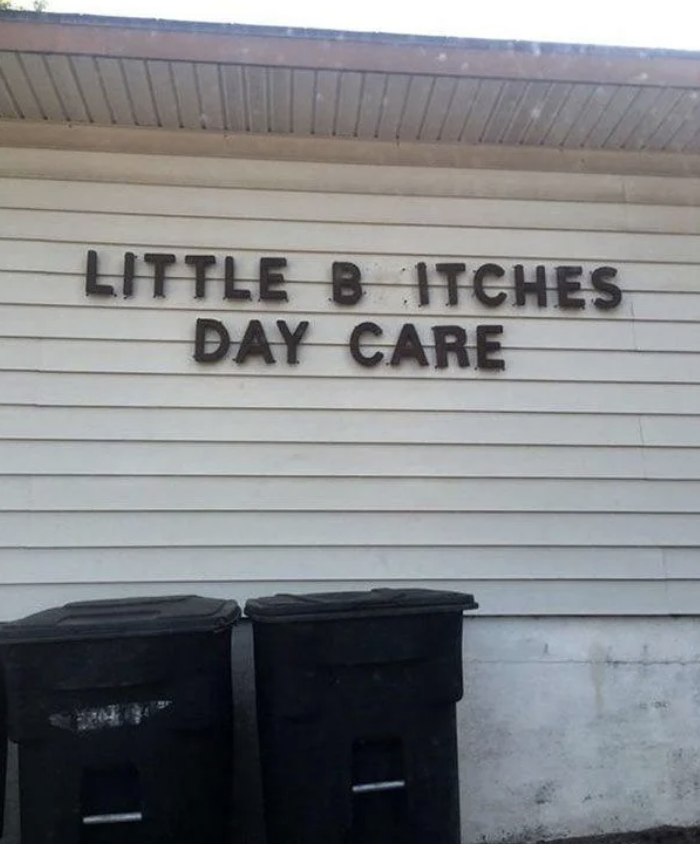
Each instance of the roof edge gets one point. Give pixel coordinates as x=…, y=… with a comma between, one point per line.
x=49, y=32
x=367, y=37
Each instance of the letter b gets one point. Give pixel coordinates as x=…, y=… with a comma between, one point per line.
x=347, y=289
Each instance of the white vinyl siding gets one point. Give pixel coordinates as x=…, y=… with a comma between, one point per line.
x=567, y=484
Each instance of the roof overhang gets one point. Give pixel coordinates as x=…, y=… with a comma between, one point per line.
x=311, y=84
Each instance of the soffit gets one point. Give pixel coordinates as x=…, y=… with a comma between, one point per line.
x=299, y=83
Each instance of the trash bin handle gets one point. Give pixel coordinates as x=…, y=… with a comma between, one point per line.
x=116, y=817
x=387, y=785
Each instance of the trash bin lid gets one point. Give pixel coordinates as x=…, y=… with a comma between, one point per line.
x=327, y=606
x=123, y=617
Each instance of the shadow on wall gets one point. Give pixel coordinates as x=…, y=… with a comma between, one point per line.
x=247, y=798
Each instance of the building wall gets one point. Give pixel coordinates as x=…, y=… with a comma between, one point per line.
x=541, y=487
x=562, y=491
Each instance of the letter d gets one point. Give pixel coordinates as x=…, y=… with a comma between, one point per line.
x=204, y=326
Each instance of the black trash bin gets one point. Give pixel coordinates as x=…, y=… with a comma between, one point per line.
x=356, y=695
x=123, y=716
x=3, y=749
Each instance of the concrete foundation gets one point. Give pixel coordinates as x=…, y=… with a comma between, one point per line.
x=579, y=726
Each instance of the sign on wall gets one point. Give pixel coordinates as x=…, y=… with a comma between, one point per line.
x=567, y=287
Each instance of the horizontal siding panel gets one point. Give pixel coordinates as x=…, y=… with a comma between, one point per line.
x=125, y=322
x=683, y=596
x=243, y=204
x=681, y=563
x=48, y=530
x=351, y=495
x=346, y=426
x=143, y=358
x=284, y=236
x=341, y=426
x=595, y=598
x=331, y=563
x=87, y=316
x=670, y=336
x=670, y=430
x=108, y=390
x=496, y=597
x=328, y=460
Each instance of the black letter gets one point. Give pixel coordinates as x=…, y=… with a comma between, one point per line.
x=292, y=340
x=267, y=278
x=357, y=332
x=443, y=345
x=129, y=273
x=160, y=261
x=347, y=289
x=452, y=272
x=200, y=264
x=566, y=287
x=522, y=287
x=92, y=288
x=484, y=346
x=230, y=291
x=480, y=293
x=254, y=342
x=599, y=278
x=408, y=346
x=200, y=340
x=423, y=291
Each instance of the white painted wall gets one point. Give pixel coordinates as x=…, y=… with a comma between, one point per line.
x=575, y=726
x=128, y=466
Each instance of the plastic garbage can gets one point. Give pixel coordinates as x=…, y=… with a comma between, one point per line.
x=3, y=749
x=356, y=695
x=122, y=714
